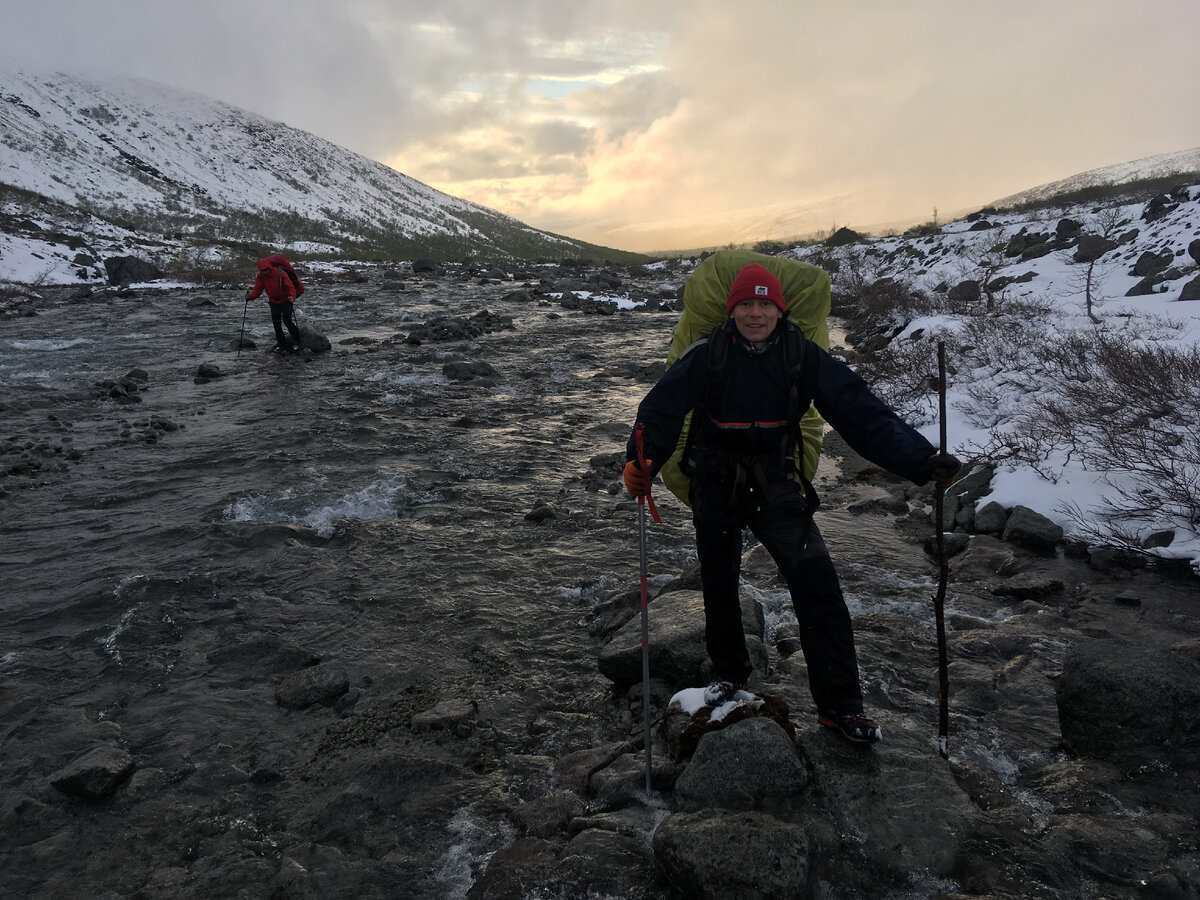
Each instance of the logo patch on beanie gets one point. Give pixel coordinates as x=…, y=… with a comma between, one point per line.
x=760, y=290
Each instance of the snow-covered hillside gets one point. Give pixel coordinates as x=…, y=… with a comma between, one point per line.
x=131, y=165
x=1163, y=166
x=1090, y=411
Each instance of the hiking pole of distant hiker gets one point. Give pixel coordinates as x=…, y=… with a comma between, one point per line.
x=245, y=309
x=639, y=441
x=939, y=600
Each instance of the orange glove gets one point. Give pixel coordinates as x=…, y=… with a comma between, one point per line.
x=634, y=482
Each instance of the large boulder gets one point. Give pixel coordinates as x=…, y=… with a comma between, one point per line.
x=1032, y=530
x=1092, y=246
x=748, y=765
x=96, y=774
x=678, y=653
x=311, y=339
x=130, y=269
x=1191, y=290
x=748, y=855
x=1117, y=702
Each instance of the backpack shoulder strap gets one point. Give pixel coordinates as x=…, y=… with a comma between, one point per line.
x=719, y=340
x=799, y=400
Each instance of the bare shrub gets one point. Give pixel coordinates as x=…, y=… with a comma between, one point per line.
x=905, y=376
x=1129, y=411
x=869, y=301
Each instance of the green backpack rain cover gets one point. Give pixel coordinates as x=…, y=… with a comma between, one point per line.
x=806, y=290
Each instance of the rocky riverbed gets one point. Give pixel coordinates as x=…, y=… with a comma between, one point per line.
x=357, y=622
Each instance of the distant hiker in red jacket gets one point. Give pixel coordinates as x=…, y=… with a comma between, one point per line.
x=277, y=277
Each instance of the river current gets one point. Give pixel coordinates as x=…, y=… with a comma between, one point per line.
x=359, y=506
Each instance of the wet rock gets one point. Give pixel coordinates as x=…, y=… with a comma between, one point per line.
x=954, y=543
x=459, y=328
x=928, y=810
x=469, y=370
x=1030, y=586
x=595, y=863
x=748, y=855
x=787, y=639
x=879, y=505
x=548, y=816
x=748, y=765
x=527, y=860
x=322, y=683
x=1116, y=702
x=540, y=513
x=574, y=771
x=313, y=340
x=262, y=655
x=207, y=372
x=984, y=558
x=677, y=647
x=96, y=774
x=457, y=716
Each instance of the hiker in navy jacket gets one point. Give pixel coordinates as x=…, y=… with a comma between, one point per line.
x=743, y=474
x=282, y=285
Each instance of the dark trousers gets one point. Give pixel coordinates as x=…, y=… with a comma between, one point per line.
x=284, y=314
x=774, y=509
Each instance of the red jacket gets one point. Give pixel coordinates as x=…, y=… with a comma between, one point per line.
x=277, y=277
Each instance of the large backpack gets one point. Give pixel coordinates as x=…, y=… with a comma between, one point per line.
x=807, y=292
x=277, y=268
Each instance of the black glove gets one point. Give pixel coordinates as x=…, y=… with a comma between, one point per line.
x=941, y=469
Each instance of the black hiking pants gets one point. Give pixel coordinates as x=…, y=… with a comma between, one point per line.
x=284, y=314
x=729, y=494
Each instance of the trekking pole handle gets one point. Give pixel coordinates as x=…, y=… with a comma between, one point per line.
x=639, y=441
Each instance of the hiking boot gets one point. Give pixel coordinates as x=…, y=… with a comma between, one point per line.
x=719, y=692
x=279, y=348
x=854, y=727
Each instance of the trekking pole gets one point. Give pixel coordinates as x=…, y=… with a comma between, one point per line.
x=939, y=601
x=638, y=438
x=245, y=309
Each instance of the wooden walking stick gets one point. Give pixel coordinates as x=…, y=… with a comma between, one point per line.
x=939, y=600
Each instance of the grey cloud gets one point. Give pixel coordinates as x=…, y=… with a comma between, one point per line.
x=546, y=148
x=630, y=105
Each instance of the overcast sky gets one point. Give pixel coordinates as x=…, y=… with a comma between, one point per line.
x=663, y=124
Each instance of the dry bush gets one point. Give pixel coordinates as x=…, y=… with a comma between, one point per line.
x=867, y=301
x=905, y=376
x=1128, y=410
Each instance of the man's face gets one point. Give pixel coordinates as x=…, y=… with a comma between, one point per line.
x=755, y=319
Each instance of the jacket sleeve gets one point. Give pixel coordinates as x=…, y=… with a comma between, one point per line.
x=866, y=423
x=666, y=406
x=259, y=284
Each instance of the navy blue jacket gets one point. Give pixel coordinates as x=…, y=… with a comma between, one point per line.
x=749, y=414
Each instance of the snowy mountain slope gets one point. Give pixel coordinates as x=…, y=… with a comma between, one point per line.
x=1008, y=294
x=172, y=163
x=1182, y=162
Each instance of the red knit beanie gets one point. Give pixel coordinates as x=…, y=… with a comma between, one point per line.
x=755, y=281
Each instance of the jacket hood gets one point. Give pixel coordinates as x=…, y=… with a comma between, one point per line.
x=276, y=260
